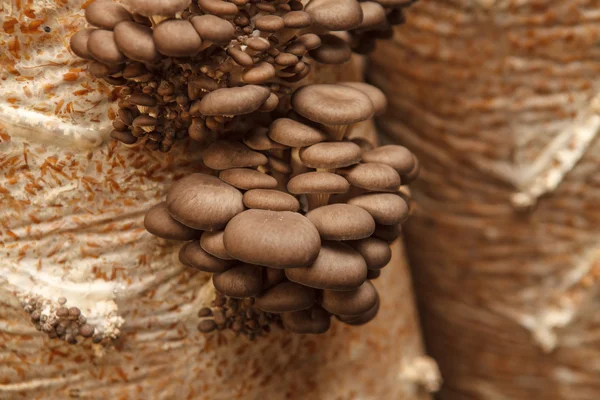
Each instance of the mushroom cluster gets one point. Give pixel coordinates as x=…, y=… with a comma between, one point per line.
x=206, y=68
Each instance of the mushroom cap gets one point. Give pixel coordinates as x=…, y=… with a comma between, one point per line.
x=274, y=200
x=389, y=233
x=317, y=182
x=148, y=8
x=102, y=46
x=124, y=137
x=414, y=172
x=376, y=177
x=204, y=202
x=398, y=157
x=240, y=57
x=272, y=277
x=136, y=41
x=292, y=133
x=277, y=239
x=351, y=302
x=258, y=139
x=226, y=154
x=159, y=222
x=234, y=101
x=338, y=267
x=375, y=94
x=286, y=297
x=240, y=281
x=373, y=274
x=141, y=99
x=315, y=320
x=260, y=73
x=361, y=319
x=212, y=243
x=331, y=155
x=218, y=7
x=376, y=252
x=385, y=208
x=193, y=255
x=335, y=15
x=310, y=40
x=106, y=14
x=257, y=43
x=342, y=222
x=332, y=104
x=144, y=120
x=176, y=38
x=269, y=23
x=246, y=179
x=213, y=28
x=278, y=165
x=296, y=48
x=297, y=19
x=333, y=50
x=286, y=59
x=79, y=41
x=374, y=15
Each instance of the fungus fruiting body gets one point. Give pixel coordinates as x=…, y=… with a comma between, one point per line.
x=296, y=217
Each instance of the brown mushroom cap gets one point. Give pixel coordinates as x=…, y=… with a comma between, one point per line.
x=102, y=46
x=338, y=267
x=258, y=139
x=278, y=165
x=297, y=19
x=389, y=233
x=269, y=23
x=373, y=274
x=159, y=222
x=124, y=137
x=213, y=28
x=274, y=200
x=352, y=302
x=106, y=14
x=310, y=40
x=333, y=50
x=375, y=94
x=193, y=255
x=342, y=222
x=286, y=297
x=292, y=133
x=317, y=182
x=361, y=319
x=260, y=73
x=332, y=104
x=226, y=154
x=385, y=208
x=149, y=8
x=204, y=202
x=176, y=38
x=240, y=57
x=374, y=15
x=140, y=99
x=257, y=43
x=331, y=155
x=312, y=321
x=374, y=176
x=397, y=157
x=335, y=15
x=246, y=179
x=234, y=101
x=272, y=277
x=218, y=7
x=212, y=243
x=376, y=252
x=145, y=121
x=240, y=281
x=286, y=59
x=79, y=43
x=277, y=239
x=413, y=174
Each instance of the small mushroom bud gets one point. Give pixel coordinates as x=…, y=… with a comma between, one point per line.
x=342, y=222
x=312, y=321
x=352, y=302
x=159, y=222
x=286, y=297
x=123, y=137
x=240, y=281
x=106, y=14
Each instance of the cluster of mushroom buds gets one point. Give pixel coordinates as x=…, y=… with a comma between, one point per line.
x=297, y=217
x=201, y=67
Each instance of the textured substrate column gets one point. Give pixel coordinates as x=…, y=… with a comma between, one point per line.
x=498, y=100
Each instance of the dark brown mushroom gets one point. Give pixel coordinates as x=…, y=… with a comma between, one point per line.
x=352, y=302
x=106, y=14
x=332, y=50
x=240, y=281
x=389, y=233
x=257, y=43
x=193, y=255
x=273, y=200
x=286, y=297
x=212, y=243
x=376, y=252
x=177, y=38
x=277, y=239
x=335, y=15
x=159, y=222
x=218, y=7
x=342, y=222
x=204, y=202
x=331, y=155
x=149, y=8
x=79, y=42
x=234, y=101
x=385, y=208
x=246, y=179
x=373, y=274
x=312, y=321
x=292, y=133
x=102, y=46
x=362, y=318
x=338, y=267
x=226, y=154
x=376, y=177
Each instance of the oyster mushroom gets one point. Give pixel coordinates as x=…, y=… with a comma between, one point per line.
x=272, y=200
x=177, y=38
x=318, y=186
x=193, y=255
x=352, y=302
x=159, y=222
x=79, y=43
x=377, y=97
x=246, y=179
x=312, y=321
x=102, y=46
x=331, y=155
x=226, y=154
x=292, y=133
x=212, y=243
x=376, y=177
x=106, y=14
x=397, y=157
x=213, y=30
x=342, y=222
x=376, y=252
x=239, y=281
x=286, y=297
x=136, y=41
x=149, y=8
x=332, y=50
x=234, y=101
x=335, y=15
x=385, y=208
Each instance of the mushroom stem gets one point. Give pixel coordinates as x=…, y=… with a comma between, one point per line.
x=282, y=180
x=316, y=200
x=337, y=132
x=297, y=166
x=157, y=19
